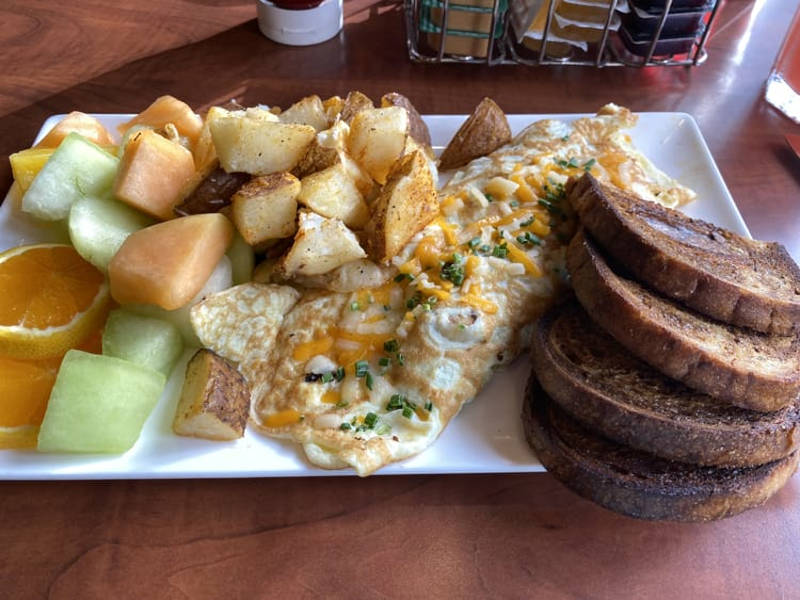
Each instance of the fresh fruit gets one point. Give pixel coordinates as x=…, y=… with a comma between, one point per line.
x=98, y=404
x=220, y=279
x=128, y=137
x=152, y=174
x=168, y=109
x=77, y=168
x=77, y=122
x=168, y=263
x=51, y=300
x=149, y=342
x=24, y=389
x=99, y=226
x=242, y=260
x=25, y=165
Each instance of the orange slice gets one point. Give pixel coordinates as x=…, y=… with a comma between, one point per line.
x=51, y=300
x=25, y=387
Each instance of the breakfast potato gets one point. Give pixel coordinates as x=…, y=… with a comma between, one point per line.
x=405, y=205
x=333, y=193
x=212, y=193
x=265, y=271
x=316, y=158
x=256, y=142
x=354, y=104
x=204, y=152
x=417, y=128
x=484, y=131
x=321, y=245
x=333, y=107
x=377, y=139
x=308, y=111
x=265, y=208
x=215, y=399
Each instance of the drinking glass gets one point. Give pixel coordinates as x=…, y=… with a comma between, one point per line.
x=783, y=85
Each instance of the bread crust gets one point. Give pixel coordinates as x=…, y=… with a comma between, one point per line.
x=596, y=381
x=718, y=273
x=745, y=368
x=639, y=485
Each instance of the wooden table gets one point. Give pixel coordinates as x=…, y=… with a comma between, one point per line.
x=407, y=537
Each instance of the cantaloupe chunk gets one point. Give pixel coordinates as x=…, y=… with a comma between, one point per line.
x=168, y=263
x=77, y=122
x=168, y=109
x=153, y=173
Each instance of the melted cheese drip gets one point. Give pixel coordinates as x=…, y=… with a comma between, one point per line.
x=285, y=417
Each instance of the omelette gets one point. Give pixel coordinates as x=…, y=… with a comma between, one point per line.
x=367, y=365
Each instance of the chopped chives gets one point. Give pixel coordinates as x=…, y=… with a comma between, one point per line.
x=362, y=368
x=370, y=419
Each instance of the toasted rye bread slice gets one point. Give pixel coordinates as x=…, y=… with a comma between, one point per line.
x=602, y=385
x=716, y=272
x=637, y=484
x=744, y=367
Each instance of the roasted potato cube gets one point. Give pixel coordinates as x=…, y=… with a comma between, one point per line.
x=255, y=142
x=484, y=131
x=204, y=151
x=406, y=204
x=333, y=107
x=265, y=208
x=354, y=104
x=215, y=399
x=316, y=158
x=377, y=139
x=320, y=246
x=308, y=111
x=212, y=194
x=265, y=271
x=333, y=193
x=417, y=128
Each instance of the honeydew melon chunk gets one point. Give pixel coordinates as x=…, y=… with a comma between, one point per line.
x=77, y=168
x=98, y=404
x=221, y=279
x=142, y=340
x=242, y=260
x=99, y=226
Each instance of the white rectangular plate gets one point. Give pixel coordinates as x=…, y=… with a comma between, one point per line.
x=486, y=437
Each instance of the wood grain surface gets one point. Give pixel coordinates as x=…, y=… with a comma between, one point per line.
x=509, y=536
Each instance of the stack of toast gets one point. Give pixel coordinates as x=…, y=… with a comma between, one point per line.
x=668, y=387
